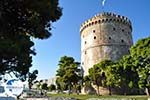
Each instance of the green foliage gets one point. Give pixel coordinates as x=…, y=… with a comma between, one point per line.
x=31, y=77
x=60, y=84
x=87, y=81
x=68, y=73
x=20, y=21
x=44, y=86
x=141, y=48
x=97, y=72
x=52, y=87
x=113, y=75
x=141, y=56
x=28, y=17
x=121, y=74
x=128, y=74
x=16, y=55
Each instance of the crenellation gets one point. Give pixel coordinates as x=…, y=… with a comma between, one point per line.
x=104, y=18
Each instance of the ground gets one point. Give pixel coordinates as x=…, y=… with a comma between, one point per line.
x=94, y=97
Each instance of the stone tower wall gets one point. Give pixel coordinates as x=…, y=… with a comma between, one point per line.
x=105, y=36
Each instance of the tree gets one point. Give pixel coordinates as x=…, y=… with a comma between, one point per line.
x=29, y=17
x=68, y=71
x=120, y=74
x=20, y=21
x=88, y=85
x=140, y=53
x=87, y=81
x=52, y=87
x=31, y=77
x=44, y=86
x=128, y=75
x=60, y=84
x=97, y=73
x=15, y=55
x=112, y=73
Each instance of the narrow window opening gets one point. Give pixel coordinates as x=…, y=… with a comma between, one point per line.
x=114, y=29
x=85, y=42
x=85, y=52
x=94, y=37
x=93, y=31
x=95, y=22
x=82, y=63
x=122, y=41
x=102, y=20
x=122, y=30
x=109, y=38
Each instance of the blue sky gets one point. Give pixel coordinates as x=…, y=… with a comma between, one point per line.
x=65, y=39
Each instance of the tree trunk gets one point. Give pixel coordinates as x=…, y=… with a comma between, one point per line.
x=69, y=89
x=98, y=92
x=30, y=86
x=125, y=91
x=109, y=87
x=75, y=88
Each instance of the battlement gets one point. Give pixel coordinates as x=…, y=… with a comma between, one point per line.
x=105, y=17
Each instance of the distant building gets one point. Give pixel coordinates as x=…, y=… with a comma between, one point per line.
x=52, y=81
x=47, y=81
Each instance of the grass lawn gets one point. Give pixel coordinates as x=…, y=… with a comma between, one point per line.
x=113, y=97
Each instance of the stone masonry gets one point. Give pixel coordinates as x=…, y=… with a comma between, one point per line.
x=104, y=36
